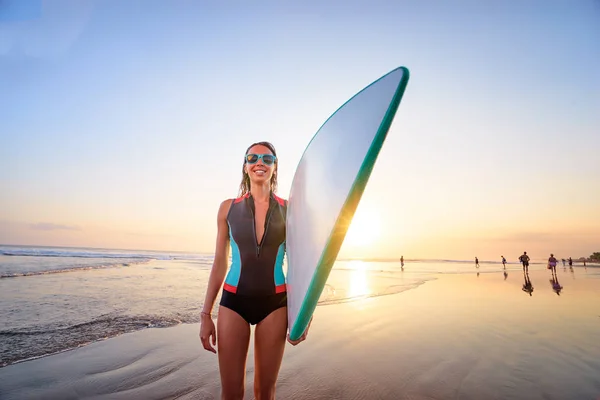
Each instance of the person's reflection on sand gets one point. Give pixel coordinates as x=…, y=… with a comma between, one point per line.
x=505, y=274
x=555, y=285
x=527, y=286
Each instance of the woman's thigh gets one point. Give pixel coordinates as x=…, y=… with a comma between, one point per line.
x=233, y=337
x=269, y=344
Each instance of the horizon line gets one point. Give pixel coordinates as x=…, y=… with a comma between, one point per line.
x=366, y=259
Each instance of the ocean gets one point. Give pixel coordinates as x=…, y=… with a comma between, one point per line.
x=53, y=299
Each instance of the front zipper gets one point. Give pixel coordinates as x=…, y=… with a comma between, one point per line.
x=268, y=219
x=254, y=227
x=269, y=212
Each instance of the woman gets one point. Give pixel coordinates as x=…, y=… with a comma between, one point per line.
x=254, y=292
x=552, y=261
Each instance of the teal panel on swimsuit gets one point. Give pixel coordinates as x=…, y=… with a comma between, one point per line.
x=233, y=277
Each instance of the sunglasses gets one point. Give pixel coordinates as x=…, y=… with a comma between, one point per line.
x=268, y=159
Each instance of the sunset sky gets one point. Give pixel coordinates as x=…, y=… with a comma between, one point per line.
x=123, y=124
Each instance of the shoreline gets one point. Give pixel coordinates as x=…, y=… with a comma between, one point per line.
x=322, y=303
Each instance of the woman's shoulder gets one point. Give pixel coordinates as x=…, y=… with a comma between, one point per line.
x=225, y=206
x=227, y=202
x=280, y=200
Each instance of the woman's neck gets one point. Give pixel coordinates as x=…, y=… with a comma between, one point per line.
x=261, y=193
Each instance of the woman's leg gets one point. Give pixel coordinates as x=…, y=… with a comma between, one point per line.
x=233, y=337
x=269, y=343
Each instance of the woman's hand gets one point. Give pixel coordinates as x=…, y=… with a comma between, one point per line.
x=301, y=338
x=208, y=332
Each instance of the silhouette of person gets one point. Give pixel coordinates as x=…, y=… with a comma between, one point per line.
x=503, y=262
x=524, y=258
x=552, y=263
x=402, y=262
x=476, y=262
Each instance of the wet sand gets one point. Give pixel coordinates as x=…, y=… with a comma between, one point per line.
x=458, y=336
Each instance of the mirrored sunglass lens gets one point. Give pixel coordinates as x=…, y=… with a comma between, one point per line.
x=268, y=159
x=251, y=158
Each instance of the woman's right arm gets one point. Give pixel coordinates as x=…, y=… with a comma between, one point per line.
x=219, y=268
x=208, y=332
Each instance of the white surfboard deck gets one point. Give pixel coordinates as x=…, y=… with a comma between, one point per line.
x=327, y=187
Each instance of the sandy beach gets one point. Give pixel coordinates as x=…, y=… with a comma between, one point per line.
x=458, y=336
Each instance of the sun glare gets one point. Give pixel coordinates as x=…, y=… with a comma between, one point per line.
x=364, y=229
x=359, y=283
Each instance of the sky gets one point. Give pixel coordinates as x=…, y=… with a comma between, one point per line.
x=123, y=124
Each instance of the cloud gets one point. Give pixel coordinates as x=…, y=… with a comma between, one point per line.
x=45, y=226
x=158, y=235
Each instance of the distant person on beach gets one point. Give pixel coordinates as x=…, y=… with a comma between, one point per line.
x=552, y=263
x=402, y=262
x=503, y=262
x=254, y=290
x=524, y=258
x=564, y=261
x=571, y=266
x=476, y=262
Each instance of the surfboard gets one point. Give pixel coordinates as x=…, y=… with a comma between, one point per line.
x=327, y=186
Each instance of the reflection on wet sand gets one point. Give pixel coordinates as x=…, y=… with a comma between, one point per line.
x=527, y=286
x=359, y=281
x=555, y=284
x=460, y=338
x=356, y=279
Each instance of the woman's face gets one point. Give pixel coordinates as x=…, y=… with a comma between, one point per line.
x=259, y=170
